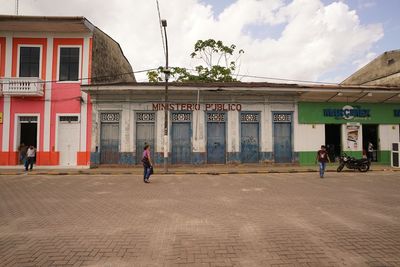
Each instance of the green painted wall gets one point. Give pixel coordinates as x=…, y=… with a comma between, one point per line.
x=384, y=157
x=356, y=154
x=307, y=158
x=376, y=113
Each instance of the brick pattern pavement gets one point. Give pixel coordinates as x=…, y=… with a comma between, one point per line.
x=347, y=219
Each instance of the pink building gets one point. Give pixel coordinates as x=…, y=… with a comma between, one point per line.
x=43, y=62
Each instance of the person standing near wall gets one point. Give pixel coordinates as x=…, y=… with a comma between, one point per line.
x=30, y=158
x=370, y=150
x=22, y=149
x=322, y=158
x=147, y=164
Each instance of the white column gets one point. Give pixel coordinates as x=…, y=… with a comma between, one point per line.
x=7, y=99
x=47, y=102
x=160, y=131
x=95, y=126
x=198, y=131
x=84, y=104
x=125, y=124
x=233, y=139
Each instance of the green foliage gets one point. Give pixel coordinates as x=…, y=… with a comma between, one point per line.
x=217, y=57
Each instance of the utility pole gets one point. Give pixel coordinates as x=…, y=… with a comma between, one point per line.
x=16, y=7
x=166, y=104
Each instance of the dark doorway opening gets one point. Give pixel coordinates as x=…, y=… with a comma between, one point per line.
x=370, y=135
x=29, y=134
x=333, y=140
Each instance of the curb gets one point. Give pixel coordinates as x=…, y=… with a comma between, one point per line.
x=180, y=172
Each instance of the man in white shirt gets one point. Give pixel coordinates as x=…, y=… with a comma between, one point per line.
x=30, y=157
x=370, y=150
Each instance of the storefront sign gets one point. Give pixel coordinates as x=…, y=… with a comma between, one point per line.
x=347, y=112
x=340, y=113
x=192, y=107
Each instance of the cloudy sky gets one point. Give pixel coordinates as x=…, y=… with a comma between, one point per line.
x=312, y=40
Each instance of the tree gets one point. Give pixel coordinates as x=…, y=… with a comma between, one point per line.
x=220, y=64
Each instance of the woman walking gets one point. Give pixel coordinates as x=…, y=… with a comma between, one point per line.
x=147, y=164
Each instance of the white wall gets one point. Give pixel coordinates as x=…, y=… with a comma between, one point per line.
x=199, y=126
x=388, y=134
x=308, y=137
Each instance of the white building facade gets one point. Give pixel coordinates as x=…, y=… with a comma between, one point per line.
x=237, y=122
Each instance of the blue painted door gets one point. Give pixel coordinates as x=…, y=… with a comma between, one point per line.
x=216, y=142
x=283, y=142
x=145, y=132
x=181, y=143
x=109, y=143
x=249, y=140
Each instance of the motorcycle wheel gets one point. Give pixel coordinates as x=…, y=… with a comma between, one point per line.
x=340, y=168
x=363, y=168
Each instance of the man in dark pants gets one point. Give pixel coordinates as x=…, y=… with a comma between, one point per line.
x=30, y=158
x=322, y=158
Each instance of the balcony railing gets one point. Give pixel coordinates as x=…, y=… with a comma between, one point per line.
x=27, y=86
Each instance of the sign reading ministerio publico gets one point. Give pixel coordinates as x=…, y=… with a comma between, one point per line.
x=193, y=107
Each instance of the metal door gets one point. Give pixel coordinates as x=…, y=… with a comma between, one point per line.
x=216, y=152
x=181, y=142
x=109, y=143
x=249, y=142
x=144, y=135
x=282, y=138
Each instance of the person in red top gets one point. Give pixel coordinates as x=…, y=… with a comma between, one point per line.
x=147, y=163
x=322, y=158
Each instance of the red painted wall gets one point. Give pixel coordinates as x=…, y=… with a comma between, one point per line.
x=65, y=98
x=2, y=72
x=27, y=104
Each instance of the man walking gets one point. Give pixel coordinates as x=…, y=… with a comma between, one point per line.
x=322, y=158
x=30, y=158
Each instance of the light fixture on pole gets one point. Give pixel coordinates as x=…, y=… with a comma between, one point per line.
x=166, y=104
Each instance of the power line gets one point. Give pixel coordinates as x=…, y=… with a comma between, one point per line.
x=191, y=70
x=159, y=22
x=282, y=79
x=277, y=79
x=86, y=78
x=16, y=7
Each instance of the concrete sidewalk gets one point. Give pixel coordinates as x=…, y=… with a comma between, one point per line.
x=180, y=169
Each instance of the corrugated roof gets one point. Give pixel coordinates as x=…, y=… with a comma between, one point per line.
x=45, y=24
x=247, y=85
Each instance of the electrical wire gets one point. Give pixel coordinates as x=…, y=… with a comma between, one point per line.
x=191, y=70
x=86, y=78
x=160, y=23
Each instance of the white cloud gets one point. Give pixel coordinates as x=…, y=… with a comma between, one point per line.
x=317, y=38
x=361, y=62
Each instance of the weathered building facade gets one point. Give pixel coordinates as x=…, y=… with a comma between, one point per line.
x=383, y=71
x=43, y=62
x=217, y=123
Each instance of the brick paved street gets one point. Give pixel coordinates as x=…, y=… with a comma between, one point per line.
x=347, y=219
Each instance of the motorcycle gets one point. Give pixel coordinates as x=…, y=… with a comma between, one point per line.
x=352, y=163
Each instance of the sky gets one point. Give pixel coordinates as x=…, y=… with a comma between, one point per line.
x=308, y=40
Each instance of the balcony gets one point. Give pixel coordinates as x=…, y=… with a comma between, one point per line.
x=27, y=86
